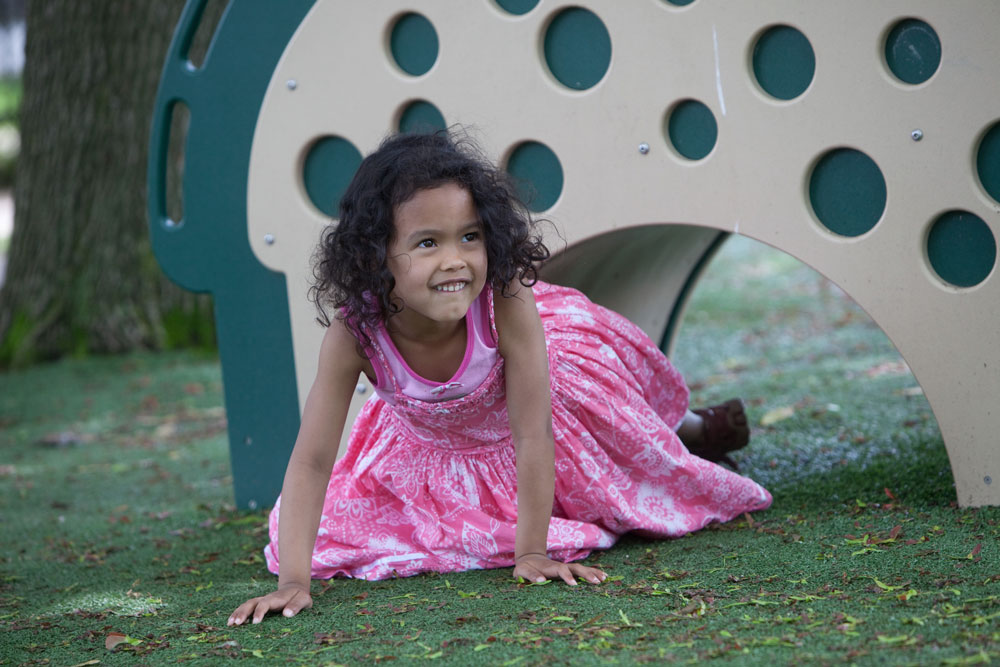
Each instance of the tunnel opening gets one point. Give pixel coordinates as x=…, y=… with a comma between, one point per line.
x=836, y=414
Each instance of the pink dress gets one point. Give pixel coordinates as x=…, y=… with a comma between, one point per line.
x=431, y=485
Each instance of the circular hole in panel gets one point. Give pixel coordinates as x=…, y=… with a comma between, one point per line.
x=577, y=48
x=847, y=192
x=679, y=3
x=537, y=175
x=414, y=44
x=691, y=129
x=421, y=117
x=961, y=248
x=517, y=7
x=912, y=51
x=783, y=62
x=988, y=162
x=327, y=170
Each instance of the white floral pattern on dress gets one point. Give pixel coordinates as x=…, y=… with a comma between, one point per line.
x=433, y=486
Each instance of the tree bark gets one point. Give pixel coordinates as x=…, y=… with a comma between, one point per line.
x=81, y=275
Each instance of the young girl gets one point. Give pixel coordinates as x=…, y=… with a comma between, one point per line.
x=517, y=423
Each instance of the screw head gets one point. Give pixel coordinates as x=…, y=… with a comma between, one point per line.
x=988, y=480
x=292, y=84
x=252, y=504
x=643, y=148
x=269, y=239
x=248, y=441
x=361, y=389
x=917, y=135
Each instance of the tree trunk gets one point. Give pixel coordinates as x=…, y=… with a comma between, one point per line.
x=81, y=275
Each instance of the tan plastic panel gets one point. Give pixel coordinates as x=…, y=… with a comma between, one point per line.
x=490, y=75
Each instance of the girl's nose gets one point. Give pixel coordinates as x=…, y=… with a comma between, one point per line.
x=453, y=260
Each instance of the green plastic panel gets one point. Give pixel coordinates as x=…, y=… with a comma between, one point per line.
x=517, y=7
x=209, y=250
x=327, y=171
x=692, y=130
x=847, y=192
x=988, y=162
x=537, y=173
x=414, y=44
x=912, y=51
x=421, y=117
x=783, y=62
x=577, y=48
x=961, y=248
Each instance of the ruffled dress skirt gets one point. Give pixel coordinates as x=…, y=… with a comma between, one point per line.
x=433, y=486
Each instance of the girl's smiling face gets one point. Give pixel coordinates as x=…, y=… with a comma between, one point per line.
x=437, y=256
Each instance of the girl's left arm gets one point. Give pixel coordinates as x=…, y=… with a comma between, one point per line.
x=529, y=408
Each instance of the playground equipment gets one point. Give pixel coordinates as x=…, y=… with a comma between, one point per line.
x=862, y=138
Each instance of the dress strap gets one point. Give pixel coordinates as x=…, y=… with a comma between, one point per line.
x=492, y=315
x=385, y=381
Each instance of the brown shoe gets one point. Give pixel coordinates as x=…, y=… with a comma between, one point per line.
x=725, y=431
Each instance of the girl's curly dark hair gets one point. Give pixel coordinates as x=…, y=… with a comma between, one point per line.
x=350, y=263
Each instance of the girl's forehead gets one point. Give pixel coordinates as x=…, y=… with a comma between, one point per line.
x=448, y=203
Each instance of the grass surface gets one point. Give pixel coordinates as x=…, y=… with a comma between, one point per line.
x=116, y=519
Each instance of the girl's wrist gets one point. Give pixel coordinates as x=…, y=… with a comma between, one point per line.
x=530, y=553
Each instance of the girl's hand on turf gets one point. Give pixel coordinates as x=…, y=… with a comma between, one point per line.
x=537, y=568
x=289, y=599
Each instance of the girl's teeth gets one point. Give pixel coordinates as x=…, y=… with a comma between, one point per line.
x=453, y=287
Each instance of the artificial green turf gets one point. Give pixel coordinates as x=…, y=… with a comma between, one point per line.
x=116, y=517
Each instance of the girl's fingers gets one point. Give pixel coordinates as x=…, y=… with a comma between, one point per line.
x=256, y=609
x=591, y=574
x=529, y=573
x=242, y=612
x=297, y=604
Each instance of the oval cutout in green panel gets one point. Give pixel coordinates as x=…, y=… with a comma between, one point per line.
x=517, y=7
x=692, y=130
x=414, y=44
x=783, y=62
x=679, y=3
x=577, y=48
x=988, y=162
x=961, y=248
x=912, y=51
x=421, y=117
x=537, y=174
x=328, y=169
x=847, y=192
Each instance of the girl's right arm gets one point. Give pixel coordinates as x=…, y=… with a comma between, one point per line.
x=308, y=475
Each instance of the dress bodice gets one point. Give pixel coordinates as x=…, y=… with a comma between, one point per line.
x=393, y=375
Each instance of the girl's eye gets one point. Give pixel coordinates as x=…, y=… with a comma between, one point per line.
x=471, y=236
x=426, y=243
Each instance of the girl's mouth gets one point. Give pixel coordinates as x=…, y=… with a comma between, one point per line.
x=451, y=287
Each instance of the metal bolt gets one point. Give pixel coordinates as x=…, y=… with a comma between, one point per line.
x=361, y=389
x=269, y=239
x=988, y=480
x=292, y=84
x=248, y=441
x=917, y=135
x=643, y=148
x=252, y=504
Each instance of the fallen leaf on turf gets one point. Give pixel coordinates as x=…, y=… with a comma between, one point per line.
x=776, y=415
x=885, y=587
x=115, y=638
x=89, y=662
